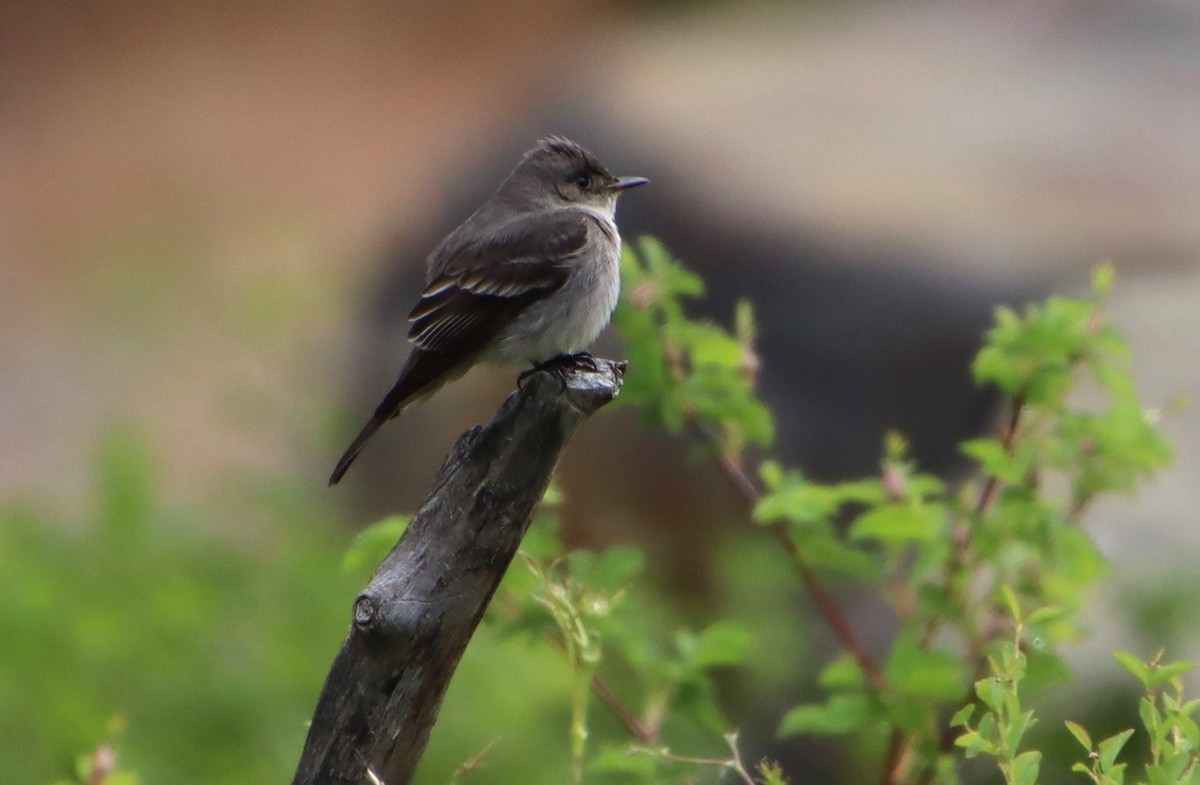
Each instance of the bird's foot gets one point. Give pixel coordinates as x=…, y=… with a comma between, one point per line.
x=559, y=367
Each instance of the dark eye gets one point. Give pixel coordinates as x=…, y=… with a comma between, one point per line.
x=583, y=181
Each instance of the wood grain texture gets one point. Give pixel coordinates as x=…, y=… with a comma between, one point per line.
x=414, y=619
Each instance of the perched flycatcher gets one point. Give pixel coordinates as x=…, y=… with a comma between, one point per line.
x=531, y=276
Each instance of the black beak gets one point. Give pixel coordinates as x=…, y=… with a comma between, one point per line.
x=625, y=183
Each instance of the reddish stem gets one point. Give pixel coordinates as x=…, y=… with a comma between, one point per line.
x=829, y=609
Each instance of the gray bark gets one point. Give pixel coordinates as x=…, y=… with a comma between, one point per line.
x=417, y=614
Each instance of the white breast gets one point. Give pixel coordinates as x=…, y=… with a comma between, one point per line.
x=570, y=319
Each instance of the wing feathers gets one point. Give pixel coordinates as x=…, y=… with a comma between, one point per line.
x=478, y=288
x=481, y=287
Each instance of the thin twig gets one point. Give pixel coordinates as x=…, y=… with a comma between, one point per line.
x=958, y=560
x=733, y=764
x=832, y=613
x=946, y=740
x=892, y=769
x=643, y=732
x=639, y=730
x=1006, y=440
x=732, y=740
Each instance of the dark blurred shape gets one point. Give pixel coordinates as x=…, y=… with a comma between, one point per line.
x=851, y=346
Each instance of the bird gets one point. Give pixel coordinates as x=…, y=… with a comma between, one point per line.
x=531, y=277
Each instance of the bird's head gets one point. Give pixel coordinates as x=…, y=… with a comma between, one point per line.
x=560, y=173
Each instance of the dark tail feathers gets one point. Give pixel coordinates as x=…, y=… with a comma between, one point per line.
x=374, y=424
x=423, y=372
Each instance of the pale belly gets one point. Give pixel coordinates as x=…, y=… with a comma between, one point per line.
x=569, y=320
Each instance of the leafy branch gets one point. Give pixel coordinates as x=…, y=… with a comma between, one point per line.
x=953, y=563
x=985, y=579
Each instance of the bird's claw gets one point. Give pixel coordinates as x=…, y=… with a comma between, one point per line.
x=559, y=366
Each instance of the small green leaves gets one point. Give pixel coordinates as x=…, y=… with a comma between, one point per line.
x=684, y=371
x=1102, y=767
x=1167, y=718
x=995, y=569
x=974, y=743
x=1152, y=675
x=1003, y=724
x=1031, y=357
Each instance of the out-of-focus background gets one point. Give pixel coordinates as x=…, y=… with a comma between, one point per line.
x=213, y=221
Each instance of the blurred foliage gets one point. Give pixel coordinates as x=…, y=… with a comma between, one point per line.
x=192, y=657
x=955, y=566
x=186, y=656
x=210, y=652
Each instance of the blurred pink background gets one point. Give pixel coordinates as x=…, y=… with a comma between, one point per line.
x=201, y=209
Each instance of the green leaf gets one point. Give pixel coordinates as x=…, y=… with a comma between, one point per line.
x=1111, y=747
x=723, y=643
x=842, y=674
x=994, y=366
x=713, y=346
x=1025, y=768
x=1009, y=597
x=991, y=691
x=1133, y=664
x=1151, y=719
x=840, y=714
x=1165, y=673
x=1046, y=613
x=973, y=743
x=1081, y=735
x=996, y=461
x=1189, y=730
x=988, y=729
x=799, y=501
x=928, y=673
x=962, y=717
x=896, y=523
x=821, y=550
x=1015, y=731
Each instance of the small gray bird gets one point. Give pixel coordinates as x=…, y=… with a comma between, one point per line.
x=531, y=277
